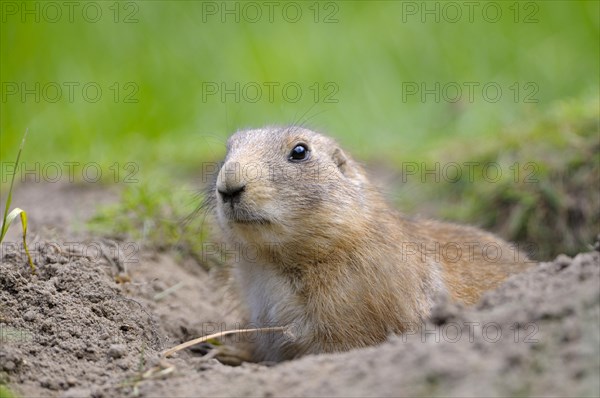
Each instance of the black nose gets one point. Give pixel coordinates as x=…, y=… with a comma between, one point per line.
x=231, y=194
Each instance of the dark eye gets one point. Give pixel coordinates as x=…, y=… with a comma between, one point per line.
x=300, y=152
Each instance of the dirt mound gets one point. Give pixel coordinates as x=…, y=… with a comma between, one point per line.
x=71, y=330
x=93, y=320
x=68, y=326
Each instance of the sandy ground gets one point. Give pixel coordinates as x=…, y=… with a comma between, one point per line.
x=72, y=330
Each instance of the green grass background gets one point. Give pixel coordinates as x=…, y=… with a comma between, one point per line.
x=368, y=51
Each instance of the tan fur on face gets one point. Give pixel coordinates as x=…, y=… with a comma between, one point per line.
x=330, y=257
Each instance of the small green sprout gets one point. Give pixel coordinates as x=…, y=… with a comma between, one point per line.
x=8, y=218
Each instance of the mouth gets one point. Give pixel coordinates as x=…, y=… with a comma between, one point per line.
x=240, y=215
x=255, y=221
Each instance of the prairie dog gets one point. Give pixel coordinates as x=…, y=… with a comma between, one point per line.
x=322, y=252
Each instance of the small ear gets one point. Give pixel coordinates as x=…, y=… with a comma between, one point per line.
x=348, y=167
x=340, y=159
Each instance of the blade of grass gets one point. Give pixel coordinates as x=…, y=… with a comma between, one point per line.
x=12, y=181
x=171, y=351
x=7, y=219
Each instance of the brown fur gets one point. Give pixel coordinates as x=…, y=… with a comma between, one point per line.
x=322, y=252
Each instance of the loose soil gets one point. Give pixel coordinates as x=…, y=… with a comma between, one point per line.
x=94, y=320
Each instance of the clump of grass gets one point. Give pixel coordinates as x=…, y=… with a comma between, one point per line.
x=159, y=215
x=547, y=198
x=5, y=392
x=8, y=218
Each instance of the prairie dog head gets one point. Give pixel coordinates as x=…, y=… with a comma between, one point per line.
x=281, y=184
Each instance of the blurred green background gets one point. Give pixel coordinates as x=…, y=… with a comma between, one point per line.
x=353, y=61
